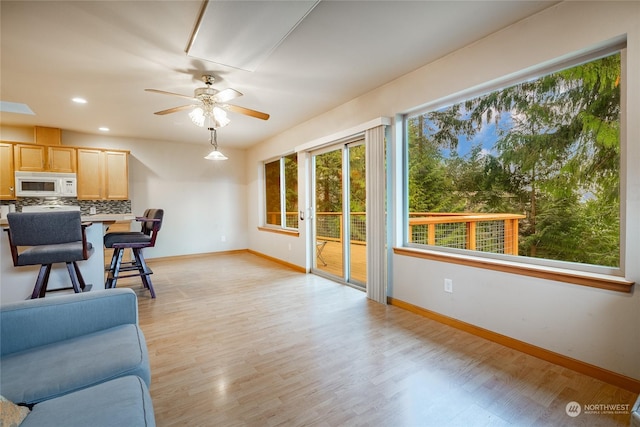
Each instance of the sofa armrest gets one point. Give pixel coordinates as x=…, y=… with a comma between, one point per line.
x=32, y=323
x=635, y=414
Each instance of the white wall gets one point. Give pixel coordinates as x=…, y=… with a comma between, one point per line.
x=596, y=326
x=203, y=200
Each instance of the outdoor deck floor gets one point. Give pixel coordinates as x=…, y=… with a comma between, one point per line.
x=332, y=255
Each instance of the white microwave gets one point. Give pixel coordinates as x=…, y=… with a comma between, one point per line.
x=46, y=184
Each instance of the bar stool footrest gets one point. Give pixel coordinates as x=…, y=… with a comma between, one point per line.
x=111, y=276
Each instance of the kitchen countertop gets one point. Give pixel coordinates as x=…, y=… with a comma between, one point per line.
x=94, y=218
x=109, y=217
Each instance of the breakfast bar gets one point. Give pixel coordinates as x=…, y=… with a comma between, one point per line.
x=16, y=283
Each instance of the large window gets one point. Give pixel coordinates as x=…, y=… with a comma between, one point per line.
x=281, y=192
x=531, y=170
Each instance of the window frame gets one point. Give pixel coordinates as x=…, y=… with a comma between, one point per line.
x=282, y=227
x=586, y=274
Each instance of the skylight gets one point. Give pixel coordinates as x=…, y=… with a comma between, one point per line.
x=15, y=107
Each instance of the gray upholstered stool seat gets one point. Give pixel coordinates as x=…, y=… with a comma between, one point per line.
x=136, y=241
x=51, y=254
x=48, y=238
x=124, y=237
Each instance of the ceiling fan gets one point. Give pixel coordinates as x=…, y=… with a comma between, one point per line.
x=210, y=104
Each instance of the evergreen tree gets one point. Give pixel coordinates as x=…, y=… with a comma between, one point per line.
x=556, y=158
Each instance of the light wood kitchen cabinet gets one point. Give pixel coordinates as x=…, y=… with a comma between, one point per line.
x=41, y=158
x=90, y=174
x=116, y=175
x=103, y=174
x=7, y=178
x=47, y=136
x=61, y=159
x=29, y=157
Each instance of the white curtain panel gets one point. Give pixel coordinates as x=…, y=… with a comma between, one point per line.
x=376, y=221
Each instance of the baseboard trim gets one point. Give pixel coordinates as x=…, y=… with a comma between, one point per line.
x=602, y=374
x=236, y=251
x=278, y=260
x=194, y=256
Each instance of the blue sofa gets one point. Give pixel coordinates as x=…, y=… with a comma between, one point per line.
x=76, y=360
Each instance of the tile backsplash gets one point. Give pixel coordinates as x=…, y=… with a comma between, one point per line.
x=101, y=206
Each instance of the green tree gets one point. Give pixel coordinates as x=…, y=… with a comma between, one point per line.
x=556, y=158
x=431, y=187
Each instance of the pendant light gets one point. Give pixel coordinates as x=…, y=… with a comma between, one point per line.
x=215, y=154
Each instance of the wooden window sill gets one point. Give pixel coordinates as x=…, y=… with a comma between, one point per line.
x=293, y=233
x=594, y=280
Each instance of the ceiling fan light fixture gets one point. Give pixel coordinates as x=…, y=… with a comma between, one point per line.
x=215, y=154
x=197, y=116
x=211, y=107
x=220, y=117
x=216, y=115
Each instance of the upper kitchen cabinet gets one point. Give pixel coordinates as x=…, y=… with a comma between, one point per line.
x=116, y=175
x=61, y=159
x=41, y=158
x=29, y=157
x=47, y=136
x=103, y=174
x=90, y=174
x=7, y=178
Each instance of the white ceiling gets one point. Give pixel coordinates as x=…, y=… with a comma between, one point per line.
x=110, y=51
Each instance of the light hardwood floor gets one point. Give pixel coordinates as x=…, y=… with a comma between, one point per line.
x=237, y=340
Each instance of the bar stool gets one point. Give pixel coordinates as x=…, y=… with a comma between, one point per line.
x=136, y=241
x=48, y=238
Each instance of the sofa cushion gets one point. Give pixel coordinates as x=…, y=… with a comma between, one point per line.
x=121, y=402
x=52, y=370
x=42, y=321
x=11, y=415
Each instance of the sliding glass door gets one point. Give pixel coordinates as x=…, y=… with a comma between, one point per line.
x=339, y=194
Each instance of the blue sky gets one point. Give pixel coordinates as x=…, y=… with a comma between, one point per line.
x=486, y=137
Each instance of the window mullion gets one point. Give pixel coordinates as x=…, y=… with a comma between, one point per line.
x=283, y=195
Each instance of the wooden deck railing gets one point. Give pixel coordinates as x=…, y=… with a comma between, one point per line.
x=491, y=232
x=508, y=232
x=329, y=226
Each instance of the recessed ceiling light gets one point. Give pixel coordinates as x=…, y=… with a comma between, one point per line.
x=79, y=100
x=103, y=129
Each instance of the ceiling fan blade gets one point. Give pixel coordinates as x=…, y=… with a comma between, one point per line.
x=162, y=92
x=247, y=111
x=226, y=95
x=175, y=109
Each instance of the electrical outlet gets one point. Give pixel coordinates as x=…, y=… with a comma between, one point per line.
x=92, y=210
x=448, y=285
x=223, y=238
x=289, y=246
